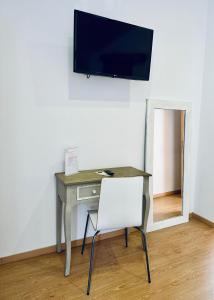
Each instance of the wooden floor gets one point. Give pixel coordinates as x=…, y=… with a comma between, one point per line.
x=182, y=267
x=167, y=207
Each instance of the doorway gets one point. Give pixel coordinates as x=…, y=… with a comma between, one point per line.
x=168, y=163
x=167, y=159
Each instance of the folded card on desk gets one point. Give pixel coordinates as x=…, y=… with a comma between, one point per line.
x=71, y=161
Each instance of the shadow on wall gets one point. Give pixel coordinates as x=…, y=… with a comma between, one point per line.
x=55, y=83
x=96, y=87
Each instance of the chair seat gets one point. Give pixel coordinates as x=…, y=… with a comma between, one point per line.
x=93, y=214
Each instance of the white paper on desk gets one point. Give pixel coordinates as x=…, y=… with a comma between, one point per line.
x=71, y=161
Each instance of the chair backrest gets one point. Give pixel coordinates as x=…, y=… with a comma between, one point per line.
x=121, y=203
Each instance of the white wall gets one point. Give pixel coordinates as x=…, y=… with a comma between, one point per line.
x=44, y=107
x=204, y=203
x=167, y=151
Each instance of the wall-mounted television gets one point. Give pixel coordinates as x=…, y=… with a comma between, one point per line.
x=112, y=48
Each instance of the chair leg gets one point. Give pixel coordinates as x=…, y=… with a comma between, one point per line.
x=145, y=248
x=126, y=236
x=143, y=243
x=86, y=228
x=147, y=257
x=91, y=263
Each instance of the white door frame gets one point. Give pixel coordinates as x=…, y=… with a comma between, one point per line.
x=151, y=105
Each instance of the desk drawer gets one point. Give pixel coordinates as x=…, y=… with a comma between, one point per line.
x=88, y=192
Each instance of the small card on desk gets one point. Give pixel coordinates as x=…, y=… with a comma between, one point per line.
x=71, y=161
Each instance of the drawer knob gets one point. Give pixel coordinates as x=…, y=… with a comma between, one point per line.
x=94, y=192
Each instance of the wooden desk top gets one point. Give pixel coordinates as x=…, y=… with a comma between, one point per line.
x=89, y=176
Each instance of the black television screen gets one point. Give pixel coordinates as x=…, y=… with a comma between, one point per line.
x=111, y=48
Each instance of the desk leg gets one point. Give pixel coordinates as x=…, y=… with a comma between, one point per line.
x=58, y=224
x=67, y=227
x=146, y=203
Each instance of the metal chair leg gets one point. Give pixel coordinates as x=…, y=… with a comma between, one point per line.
x=147, y=257
x=145, y=248
x=86, y=227
x=143, y=244
x=126, y=236
x=91, y=263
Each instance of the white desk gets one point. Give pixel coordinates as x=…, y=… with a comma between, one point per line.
x=73, y=189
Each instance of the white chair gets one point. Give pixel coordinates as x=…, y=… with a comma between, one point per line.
x=120, y=206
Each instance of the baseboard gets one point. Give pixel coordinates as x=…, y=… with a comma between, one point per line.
x=166, y=194
x=52, y=249
x=77, y=243
x=202, y=219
